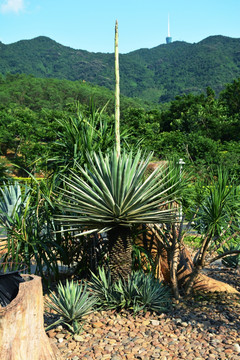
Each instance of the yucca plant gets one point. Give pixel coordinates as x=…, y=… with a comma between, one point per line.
x=78, y=135
x=216, y=219
x=110, y=196
x=72, y=302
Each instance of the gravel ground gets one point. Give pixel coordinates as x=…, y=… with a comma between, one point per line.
x=202, y=328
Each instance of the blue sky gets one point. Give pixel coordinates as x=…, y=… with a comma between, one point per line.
x=89, y=24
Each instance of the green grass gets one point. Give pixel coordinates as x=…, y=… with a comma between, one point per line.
x=193, y=241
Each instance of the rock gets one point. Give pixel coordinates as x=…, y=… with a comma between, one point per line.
x=59, y=328
x=62, y=345
x=78, y=338
x=106, y=356
x=236, y=348
x=97, y=324
x=51, y=333
x=155, y=322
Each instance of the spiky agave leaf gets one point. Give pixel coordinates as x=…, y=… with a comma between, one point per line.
x=141, y=291
x=113, y=191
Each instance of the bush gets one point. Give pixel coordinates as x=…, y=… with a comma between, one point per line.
x=141, y=292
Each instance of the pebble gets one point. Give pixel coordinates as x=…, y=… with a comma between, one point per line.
x=78, y=338
x=51, y=333
x=191, y=330
x=155, y=322
x=237, y=347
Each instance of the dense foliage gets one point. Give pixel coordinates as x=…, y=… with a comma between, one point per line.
x=157, y=74
x=201, y=129
x=89, y=191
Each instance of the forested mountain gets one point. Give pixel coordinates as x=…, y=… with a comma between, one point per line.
x=157, y=74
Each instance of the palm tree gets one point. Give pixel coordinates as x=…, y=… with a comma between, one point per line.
x=112, y=195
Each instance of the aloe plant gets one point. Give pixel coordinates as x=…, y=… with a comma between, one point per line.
x=110, y=196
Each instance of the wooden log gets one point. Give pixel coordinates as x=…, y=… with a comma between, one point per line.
x=22, y=334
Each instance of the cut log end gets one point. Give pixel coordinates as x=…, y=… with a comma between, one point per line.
x=22, y=334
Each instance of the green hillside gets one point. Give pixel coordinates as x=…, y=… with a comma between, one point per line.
x=157, y=74
x=55, y=94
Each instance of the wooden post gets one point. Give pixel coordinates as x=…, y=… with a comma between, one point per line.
x=22, y=334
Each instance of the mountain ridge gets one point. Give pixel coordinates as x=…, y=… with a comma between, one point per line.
x=154, y=74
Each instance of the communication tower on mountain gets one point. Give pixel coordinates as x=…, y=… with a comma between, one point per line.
x=168, y=38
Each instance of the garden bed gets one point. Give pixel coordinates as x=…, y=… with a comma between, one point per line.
x=203, y=327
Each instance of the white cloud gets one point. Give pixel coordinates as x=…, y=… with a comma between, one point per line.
x=12, y=6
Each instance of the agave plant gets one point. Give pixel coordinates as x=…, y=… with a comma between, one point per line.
x=26, y=220
x=232, y=261
x=141, y=291
x=112, y=195
x=12, y=202
x=72, y=302
x=102, y=287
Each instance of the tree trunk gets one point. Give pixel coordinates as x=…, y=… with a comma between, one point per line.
x=22, y=334
x=185, y=268
x=120, y=252
x=174, y=259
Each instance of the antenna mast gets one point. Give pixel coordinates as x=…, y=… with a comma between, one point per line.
x=168, y=38
x=168, y=27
